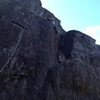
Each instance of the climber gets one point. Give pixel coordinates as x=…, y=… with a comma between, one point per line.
x=51, y=18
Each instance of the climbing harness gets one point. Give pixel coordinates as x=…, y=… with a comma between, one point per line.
x=21, y=34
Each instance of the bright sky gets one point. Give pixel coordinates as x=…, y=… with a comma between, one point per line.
x=82, y=15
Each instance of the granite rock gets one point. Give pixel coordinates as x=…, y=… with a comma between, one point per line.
x=40, y=61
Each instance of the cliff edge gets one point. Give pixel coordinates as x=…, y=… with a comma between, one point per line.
x=41, y=61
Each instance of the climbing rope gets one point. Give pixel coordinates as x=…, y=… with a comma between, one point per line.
x=21, y=34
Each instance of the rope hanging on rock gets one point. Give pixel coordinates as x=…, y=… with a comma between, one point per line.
x=21, y=34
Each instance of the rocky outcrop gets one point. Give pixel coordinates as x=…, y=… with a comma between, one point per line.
x=80, y=75
x=40, y=61
x=76, y=44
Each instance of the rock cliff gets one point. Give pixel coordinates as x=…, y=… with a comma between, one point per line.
x=40, y=61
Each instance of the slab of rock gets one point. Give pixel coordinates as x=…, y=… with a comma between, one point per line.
x=75, y=43
x=80, y=67
x=40, y=61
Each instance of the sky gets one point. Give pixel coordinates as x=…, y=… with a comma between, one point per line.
x=82, y=15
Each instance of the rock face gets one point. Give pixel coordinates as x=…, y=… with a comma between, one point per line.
x=40, y=61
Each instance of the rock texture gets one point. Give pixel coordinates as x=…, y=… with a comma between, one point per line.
x=40, y=61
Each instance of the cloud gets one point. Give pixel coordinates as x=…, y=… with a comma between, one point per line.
x=93, y=31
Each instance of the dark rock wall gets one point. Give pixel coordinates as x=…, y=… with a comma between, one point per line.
x=47, y=62
x=80, y=71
